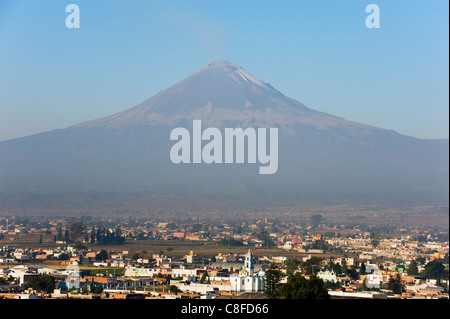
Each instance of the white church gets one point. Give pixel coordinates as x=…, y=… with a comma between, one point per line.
x=248, y=280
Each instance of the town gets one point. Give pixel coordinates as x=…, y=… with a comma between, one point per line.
x=198, y=258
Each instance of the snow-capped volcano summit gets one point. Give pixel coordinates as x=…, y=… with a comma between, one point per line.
x=237, y=73
x=220, y=93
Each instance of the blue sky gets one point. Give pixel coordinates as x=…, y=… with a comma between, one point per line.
x=318, y=52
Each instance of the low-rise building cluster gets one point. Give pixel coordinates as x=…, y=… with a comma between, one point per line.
x=353, y=261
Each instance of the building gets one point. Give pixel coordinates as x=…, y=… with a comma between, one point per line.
x=73, y=277
x=193, y=237
x=248, y=280
x=348, y=261
x=356, y=295
x=327, y=276
x=192, y=258
x=376, y=280
x=23, y=273
x=131, y=271
x=229, y=258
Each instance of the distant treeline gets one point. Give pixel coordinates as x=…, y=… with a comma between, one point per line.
x=231, y=242
x=103, y=236
x=77, y=232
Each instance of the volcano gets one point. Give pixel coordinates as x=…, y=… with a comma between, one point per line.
x=123, y=159
x=219, y=93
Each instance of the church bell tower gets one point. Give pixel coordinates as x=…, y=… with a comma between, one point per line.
x=249, y=264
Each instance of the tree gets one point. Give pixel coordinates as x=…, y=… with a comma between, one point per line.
x=272, y=283
x=445, y=259
x=107, y=237
x=66, y=236
x=316, y=219
x=80, y=246
x=434, y=269
x=344, y=264
x=45, y=283
x=60, y=234
x=395, y=284
x=362, y=269
x=374, y=237
x=63, y=256
x=298, y=287
x=96, y=290
x=330, y=265
x=196, y=227
x=174, y=289
x=93, y=233
x=352, y=273
x=320, y=244
x=5, y=281
x=291, y=265
x=76, y=230
x=421, y=260
x=40, y=239
x=364, y=285
x=102, y=255
x=135, y=256
x=336, y=268
x=230, y=241
x=205, y=277
x=267, y=241
x=118, y=231
x=171, y=226
x=312, y=265
x=412, y=269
